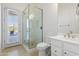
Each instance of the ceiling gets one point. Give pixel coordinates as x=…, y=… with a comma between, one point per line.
x=17, y=6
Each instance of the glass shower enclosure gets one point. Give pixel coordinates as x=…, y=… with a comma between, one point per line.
x=32, y=26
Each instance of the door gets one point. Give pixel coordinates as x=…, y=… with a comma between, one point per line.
x=35, y=23
x=25, y=28
x=32, y=26
x=11, y=28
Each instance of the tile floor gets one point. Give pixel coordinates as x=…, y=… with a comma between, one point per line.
x=18, y=51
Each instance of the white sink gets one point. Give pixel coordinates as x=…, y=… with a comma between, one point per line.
x=62, y=38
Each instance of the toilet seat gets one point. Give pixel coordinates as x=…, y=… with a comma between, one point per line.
x=42, y=45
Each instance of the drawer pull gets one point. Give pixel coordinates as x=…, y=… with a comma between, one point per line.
x=55, y=50
x=65, y=52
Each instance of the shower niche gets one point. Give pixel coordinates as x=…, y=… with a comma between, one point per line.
x=32, y=26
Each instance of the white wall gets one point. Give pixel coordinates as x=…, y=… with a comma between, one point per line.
x=50, y=22
x=0, y=25
x=67, y=16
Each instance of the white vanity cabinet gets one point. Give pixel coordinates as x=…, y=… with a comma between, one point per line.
x=56, y=51
x=63, y=48
x=56, y=48
x=70, y=49
x=69, y=53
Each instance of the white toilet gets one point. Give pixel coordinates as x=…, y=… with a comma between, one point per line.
x=41, y=48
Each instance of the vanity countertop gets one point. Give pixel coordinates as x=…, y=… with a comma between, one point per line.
x=62, y=38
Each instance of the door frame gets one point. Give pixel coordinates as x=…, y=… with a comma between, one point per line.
x=4, y=27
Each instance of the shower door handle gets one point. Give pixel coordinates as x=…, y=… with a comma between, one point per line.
x=41, y=27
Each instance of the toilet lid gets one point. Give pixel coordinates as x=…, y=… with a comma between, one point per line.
x=42, y=45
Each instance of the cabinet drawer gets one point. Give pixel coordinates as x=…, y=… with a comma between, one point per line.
x=52, y=54
x=71, y=47
x=65, y=53
x=56, y=50
x=68, y=53
x=56, y=43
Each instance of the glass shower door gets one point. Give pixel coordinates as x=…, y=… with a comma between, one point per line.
x=32, y=26
x=26, y=32
x=35, y=19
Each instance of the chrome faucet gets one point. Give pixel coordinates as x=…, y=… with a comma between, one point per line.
x=68, y=34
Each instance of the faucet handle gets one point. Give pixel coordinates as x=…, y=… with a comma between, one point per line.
x=70, y=32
